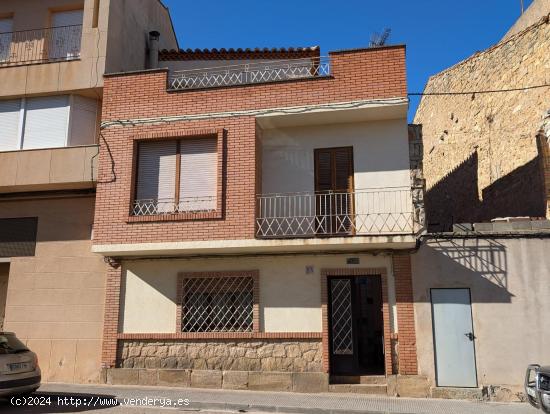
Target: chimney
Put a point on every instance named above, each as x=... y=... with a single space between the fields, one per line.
x=154 y=37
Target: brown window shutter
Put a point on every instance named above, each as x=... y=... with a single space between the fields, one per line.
x=343 y=169
x=156 y=176
x=334 y=169
x=323 y=170
x=198 y=181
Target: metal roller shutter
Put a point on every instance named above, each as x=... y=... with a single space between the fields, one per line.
x=10 y=112
x=198 y=174
x=46 y=122
x=156 y=179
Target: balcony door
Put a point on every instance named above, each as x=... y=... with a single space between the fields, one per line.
x=334 y=191
x=66 y=35
x=6 y=33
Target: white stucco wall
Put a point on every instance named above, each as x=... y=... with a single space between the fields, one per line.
x=510 y=290
x=290 y=299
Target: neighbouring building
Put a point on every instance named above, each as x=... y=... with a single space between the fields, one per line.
x=53 y=54
x=258 y=214
x=483 y=151
x=481 y=296
x=481 y=276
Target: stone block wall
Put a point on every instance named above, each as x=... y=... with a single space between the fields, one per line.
x=241 y=355
x=481 y=159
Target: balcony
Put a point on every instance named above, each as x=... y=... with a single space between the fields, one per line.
x=368 y=212
x=250 y=73
x=192 y=205
x=48 y=169
x=55 y=44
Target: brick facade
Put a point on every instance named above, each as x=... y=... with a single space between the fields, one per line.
x=367 y=74
x=111 y=318
x=408 y=364
x=356 y=75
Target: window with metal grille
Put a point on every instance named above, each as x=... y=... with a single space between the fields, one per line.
x=219 y=303
x=176 y=176
x=18 y=237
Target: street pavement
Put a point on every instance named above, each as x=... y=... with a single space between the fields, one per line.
x=68 y=398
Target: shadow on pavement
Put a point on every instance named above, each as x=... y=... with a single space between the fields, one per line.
x=53 y=403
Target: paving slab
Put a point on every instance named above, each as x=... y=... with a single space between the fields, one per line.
x=284 y=402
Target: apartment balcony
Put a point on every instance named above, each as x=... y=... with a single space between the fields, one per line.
x=47 y=45
x=368 y=212
x=48 y=169
x=250 y=73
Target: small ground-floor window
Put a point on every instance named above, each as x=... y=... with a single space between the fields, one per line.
x=218 y=302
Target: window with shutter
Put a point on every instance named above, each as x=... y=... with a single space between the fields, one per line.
x=198 y=174
x=176 y=176
x=66 y=34
x=10 y=113
x=37 y=123
x=84 y=122
x=156 y=178
x=6 y=35
x=46 y=122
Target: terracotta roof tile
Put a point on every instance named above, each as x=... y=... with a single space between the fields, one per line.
x=238 y=54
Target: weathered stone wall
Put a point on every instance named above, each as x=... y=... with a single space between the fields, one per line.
x=534 y=12
x=416 y=153
x=254 y=355
x=486 y=142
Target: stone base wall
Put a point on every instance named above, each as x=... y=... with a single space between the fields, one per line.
x=229 y=355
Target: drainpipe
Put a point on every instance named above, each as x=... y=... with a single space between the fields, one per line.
x=154 y=37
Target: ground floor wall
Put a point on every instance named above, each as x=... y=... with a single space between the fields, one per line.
x=289 y=326
x=55 y=299
x=509 y=286
x=229 y=355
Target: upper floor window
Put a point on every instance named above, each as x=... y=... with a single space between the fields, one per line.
x=66 y=34
x=176 y=176
x=6 y=34
x=59 y=42
x=48 y=122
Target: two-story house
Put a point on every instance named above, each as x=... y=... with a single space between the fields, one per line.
x=53 y=54
x=256 y=211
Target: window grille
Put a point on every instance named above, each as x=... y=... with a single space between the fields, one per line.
x=217 y=304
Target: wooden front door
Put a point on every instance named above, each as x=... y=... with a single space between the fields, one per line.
x=334 y=190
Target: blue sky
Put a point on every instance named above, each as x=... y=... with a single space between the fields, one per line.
x=438 y=33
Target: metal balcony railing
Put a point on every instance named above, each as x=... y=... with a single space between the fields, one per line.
x=52 y=44
x=152 y=207
x=386 y=211
x=250 y=73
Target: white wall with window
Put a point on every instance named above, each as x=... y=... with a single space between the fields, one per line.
x=48 y=122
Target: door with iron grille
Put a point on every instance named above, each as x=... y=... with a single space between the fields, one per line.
x=356 y=342
x=334 y=191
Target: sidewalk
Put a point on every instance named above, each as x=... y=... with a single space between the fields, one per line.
x=287 y=402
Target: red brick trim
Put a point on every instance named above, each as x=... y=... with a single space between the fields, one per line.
x=254 y=274
x=220 y=335
x=111 y=318
x=408 y=364
x=176 y=133
x=383 y=273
